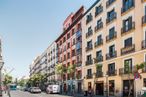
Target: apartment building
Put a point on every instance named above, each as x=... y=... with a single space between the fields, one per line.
x=114 y=34
x=69 y=51
x=51 y=63
x=35 y=67
x=43 y=63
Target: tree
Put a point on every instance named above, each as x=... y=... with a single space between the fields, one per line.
x=71 y=70
x=22 y=82
x=7 y=80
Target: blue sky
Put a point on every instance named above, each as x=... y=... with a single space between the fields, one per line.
x=27 y=27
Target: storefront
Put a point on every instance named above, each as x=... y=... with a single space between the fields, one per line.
x=128 y=86
x=99 y=88
x=111 y=88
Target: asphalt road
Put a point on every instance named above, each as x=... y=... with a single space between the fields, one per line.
x=27 y=94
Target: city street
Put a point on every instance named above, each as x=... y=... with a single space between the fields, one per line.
x=27 y=94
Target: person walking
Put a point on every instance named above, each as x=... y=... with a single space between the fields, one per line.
x=8 y=89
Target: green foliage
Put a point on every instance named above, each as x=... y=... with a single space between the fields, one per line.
x=22 y=82
x=98 y=66
x=71 y=69
x=7 y=80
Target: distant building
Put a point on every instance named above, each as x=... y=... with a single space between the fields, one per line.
x=69 y=51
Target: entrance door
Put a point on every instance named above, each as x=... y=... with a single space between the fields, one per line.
x=128 y=86
x=79 y=87
x=99 y=89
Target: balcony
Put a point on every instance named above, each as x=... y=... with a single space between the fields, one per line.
x=111 y=55
x=128 y=49
x=98 y=27
x=128 y=29
x=98 y=43
x=89 y=33
x=111 y=18
x=99 y=74
x=112 y=73
x=98 y=11
x=89 y=62
x=111 y=37
x=89 y=76
x=123 y=71
x=143 y=44
x=98 y=59
x=125 y=8
x=144 y=20
x=109 y=2
x=88 y=48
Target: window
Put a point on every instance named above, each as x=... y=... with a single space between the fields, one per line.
x=98 y=9
x=90 y=29
x=73 y=31
x=68 y=45
x=68 y=55
x=89 y=43
x=89 y=58
x=60 y=42
x=98 y=54
x=128 y=42
x=111 y=15
x=111 y=68
x=68 y=35
x=99 y=38
x=112 y=49
x=128 y=4
x=74 y=41
x=89 y=72
x=64 y=39
x=89 y=18
x=111 y=32
x=64 y=57
x=128 y=65
x=99 y=22
x=127 y=24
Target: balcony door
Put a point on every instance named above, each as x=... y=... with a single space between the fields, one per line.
x=128 y=66
x=111 y=68
x=89 y=44
x=111 y=32
x=89 y=72
x=128 y=42
x=112 y=50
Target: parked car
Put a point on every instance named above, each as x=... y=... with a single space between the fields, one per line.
x=53 y=89
x=35 y=90
x=29 y=89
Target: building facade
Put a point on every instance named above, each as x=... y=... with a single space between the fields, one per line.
x=114 y=35
x=69 y=51
x=51 y=63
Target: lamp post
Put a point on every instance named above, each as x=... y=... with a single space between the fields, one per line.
x=1 y=66
x=106 y=85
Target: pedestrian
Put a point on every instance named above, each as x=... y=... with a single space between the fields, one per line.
x=90 y=92
x=8 y=89
x=117 y=94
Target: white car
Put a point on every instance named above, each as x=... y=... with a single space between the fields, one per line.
x=53 y=89
x=35 y=90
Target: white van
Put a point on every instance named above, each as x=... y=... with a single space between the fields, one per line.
x=53 y=89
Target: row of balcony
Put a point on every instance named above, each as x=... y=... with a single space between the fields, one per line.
x=122 y=71
x=125 y=50
x=124 y=30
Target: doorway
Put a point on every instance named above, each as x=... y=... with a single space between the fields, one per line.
x=128 y=85
x=100 y=88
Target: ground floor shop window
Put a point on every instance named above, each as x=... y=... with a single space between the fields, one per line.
x=111 y=87
x=144 y=82
x=89 y=85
